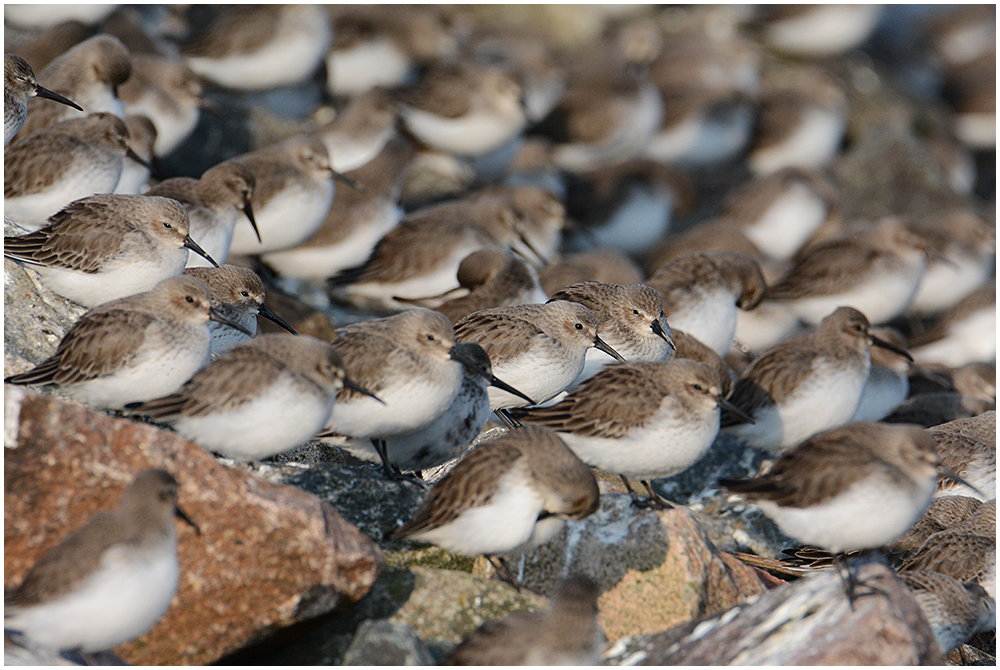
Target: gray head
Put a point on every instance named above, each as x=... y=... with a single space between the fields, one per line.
x=565 y=483
x=848 y=325
x=574 y=326
x=19 y=81
x=152 y=496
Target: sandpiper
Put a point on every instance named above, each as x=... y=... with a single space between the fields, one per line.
x=493 y=499
x=87 y=74
x=213 y=204
x=955 y=611
x=19 y=85
x=888 y=382
x=107 y=246
x=168 y=93
x=807 y=384
x=108 y=582
x=629 y=318
x=965 y=333
x=257 y=47
x=238 y=295
x=943 y=513
x=693 y=349
x=566 y=634
x=133 y=349
x=360 y=132
x=136 y=173
x=604 y=265
x=258 y=399
x=66 y=161
x=355 y=221
x=701 y=293
x=539 y=349
x=969 y=447
x=291 y=196
x=817 y=31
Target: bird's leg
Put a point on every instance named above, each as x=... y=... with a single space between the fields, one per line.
x=652 y=500
x=504 y=573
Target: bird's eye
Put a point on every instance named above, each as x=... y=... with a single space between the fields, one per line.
x=167 y=225
x=636 y=312
x=697 y=387
x=578 y=326
x=857 y=327
x=430 y=338
x=244 y=294
x=189 y=299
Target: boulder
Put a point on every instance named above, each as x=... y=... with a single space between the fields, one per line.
x=267 y=556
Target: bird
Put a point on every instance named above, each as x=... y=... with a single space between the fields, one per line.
x=132 y=349
x=64 y=162
x=968 y=447
x=964 y=333
x=446 y=436
x=539 y=349
x=19 y=85
x=877 y=271
x=888 y=382
x=567 y=633
x=293 y=190
x=818 y=31
x=955 y=611
x=496 y=497
x=638 y=420
x=603 y=265
x=238 y=295
x=107 y=246
x=167 y=92
x=806 y=384
x=108 y=582
x=629 y=318
x=702 y=291
x=87 y=74
x=136 y=174
x=213 y=203
x=258 y=399
x=360 y=131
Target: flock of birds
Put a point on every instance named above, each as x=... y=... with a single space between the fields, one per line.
x=533 y=277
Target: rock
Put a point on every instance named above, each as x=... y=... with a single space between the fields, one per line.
x=809 y=622
x=655 y=569
x=387 y=643
x=268 y=555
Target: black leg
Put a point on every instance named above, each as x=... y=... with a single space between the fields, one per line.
x=504 y=573
x=508 y=420
x=652 y=500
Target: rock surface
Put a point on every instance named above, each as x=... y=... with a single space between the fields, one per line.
x=809 y=622
x=268 y=555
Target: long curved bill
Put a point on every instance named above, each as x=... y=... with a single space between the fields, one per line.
x=182 y=515
x=193 y=246
x=265 y=312
x=354 y=386
x=350 y=181
x=248 y=210
x=217 y=316
x=948 y=473
x=665 y=334
x=892 y=347
x=504 y=386
x=138 y=159
x=730 y=407
x=606 y=348
x=52 y=95
x=458 y=355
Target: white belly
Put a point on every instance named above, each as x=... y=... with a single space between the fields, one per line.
x=378 y=62
x=95 y=172
x=708 y=317
x=478 y=132
x=539 y=375
x=880 y=297
x=883 y=390
x=812 y=145
x=286 y=220
x=788 y=222
x=969 y=341
x=943 y=285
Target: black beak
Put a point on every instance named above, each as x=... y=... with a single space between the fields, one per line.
x=603 y=346
x=350 y=181
x=504 y=386
x=265 y=312
x=248 y=210
x=137 y=158
x=658 y=330
x=52 y=95
x=947 y=473
x=180 y=514
x=891 y=347
x=350 y=384
x=217 y=316
x=459 y=356
x=730 y=407
x=193 y=246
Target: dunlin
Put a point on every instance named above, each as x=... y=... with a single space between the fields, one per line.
x=410 y=362
x=291 y=196
x=629 y=318
x=965 y=551
x=355 y=221
x=490 y=278
x=66 y=161
x=888 y=382
x=447 y=436
x=932 y=409
x=107 y=246
x=258 y=399
x=168 y=93
x=693 y=349
x=604 y=265
x=421 y=255
x=136 y=173
x=877 y=271
x=108 y=582
x=566 y=634
x=701 y=293
x=238 y=295
x=87 y=74
x=46 y=45
x=213 y=204
x=638 y=420
x=965 y=333
x=492 y=501
x=133 y=349
x=539 y=349
x=360 y=132
x=955 y=611
x=466 y=109
x=826 y=491
x=943 y=513
x=19 y=85
x=969 y=447
x=801 y=125
x=542 y=218
x=817 y=31
x=257 y=47
x=807 y=384
x=701 y=126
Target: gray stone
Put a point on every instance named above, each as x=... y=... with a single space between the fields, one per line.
x=387 y=643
